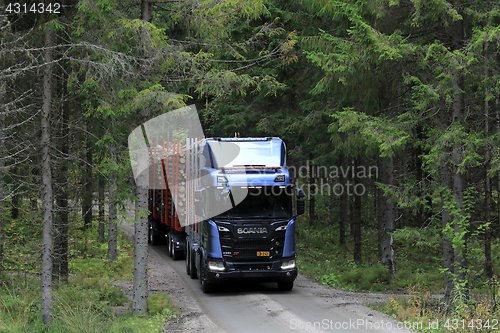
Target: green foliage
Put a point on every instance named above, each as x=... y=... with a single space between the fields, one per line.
x=85 y=303
x=420 y=307
x=77 y=309
x=374 y=278
x=384 y=135
x=160 y=303
x=22 y=242
x=427 y=240
x=418 y=259
x=457 y=231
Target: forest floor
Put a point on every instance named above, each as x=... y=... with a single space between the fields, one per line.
x=162 y=278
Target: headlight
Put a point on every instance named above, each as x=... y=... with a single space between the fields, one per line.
x=221 y=179
x=288 y=264
x=280 y=178
x=282 y=228
x=224 y=232
x=216 y=265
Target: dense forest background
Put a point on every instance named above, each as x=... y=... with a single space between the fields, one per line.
x=390 y=110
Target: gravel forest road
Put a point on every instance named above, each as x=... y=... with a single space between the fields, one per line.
x=241 y=307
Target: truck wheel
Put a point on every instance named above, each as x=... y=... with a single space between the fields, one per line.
x=188 y=259
x=285 y=286
x=176 y=254
x=169 y=241
x=154 y=234
x=206 y=287
x=192 y=263
x=149 y=231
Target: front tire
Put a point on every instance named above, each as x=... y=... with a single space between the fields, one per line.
x=206 y=286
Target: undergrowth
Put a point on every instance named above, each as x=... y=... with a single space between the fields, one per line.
x=85 y=303
x=417 y=286
x=423 y=313
x=321 y=257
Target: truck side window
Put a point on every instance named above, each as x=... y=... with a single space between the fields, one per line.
x=206 y=155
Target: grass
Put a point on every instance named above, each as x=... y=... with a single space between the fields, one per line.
x=86 y=303
x=418 y=276
x=322 y=258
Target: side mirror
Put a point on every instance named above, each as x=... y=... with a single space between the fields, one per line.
x=198 y=203
x=301 y=203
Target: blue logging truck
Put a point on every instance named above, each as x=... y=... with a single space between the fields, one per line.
x=227 y=206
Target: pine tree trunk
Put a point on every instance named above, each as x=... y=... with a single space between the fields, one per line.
x=47 y=204
x=488 y=268
x=60 y=265
x=14 y=210
x=102 y=183
x=458 y=194
x=497 y=102
x=112 y=227
x=146 y=10
x=331 y=200
x=419 y=217
x=448 y=254
x=352 y=215
x=386 y=218
x=64 y=197
x=459 y=183
x=343 y=209
x=2 y=173
x=458 y=179
x=140 y=301
x=87 y=184
x=311 y=196
x=356 y=227
x=357 y=230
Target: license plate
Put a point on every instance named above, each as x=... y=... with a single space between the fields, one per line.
x=262 y=253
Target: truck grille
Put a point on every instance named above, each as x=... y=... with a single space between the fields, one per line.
x=244 y=250
x=253 y=244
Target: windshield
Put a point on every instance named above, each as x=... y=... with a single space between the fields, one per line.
x=263 y=202
x=231 y=154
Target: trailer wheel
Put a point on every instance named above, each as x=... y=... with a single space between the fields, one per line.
x=285 y=286
x=153 y=238
x=149 y=231
x=154 y=233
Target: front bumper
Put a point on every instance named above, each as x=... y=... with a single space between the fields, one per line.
x=259 y=271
